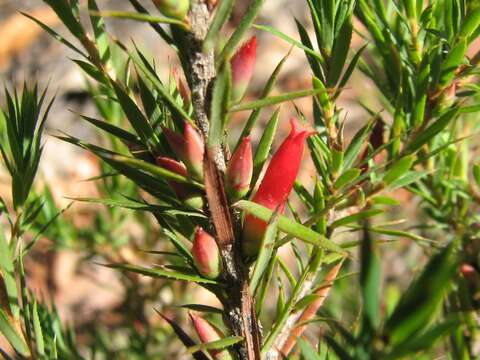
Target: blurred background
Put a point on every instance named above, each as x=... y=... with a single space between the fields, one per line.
x=64 y=266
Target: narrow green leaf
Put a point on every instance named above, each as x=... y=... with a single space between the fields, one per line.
x=356 y=217
x=426 y=339
x=161 y=273
x=247 y=19
x=160 y=31
x=370 y=273
x=116 y=131
x=264 y=146
x=217 y=344
x=171 y=103
x=7 y=272
x=221 y=16
x=346 y=178
x=470 y=24
x=454 y=58
x=307 y=349
x=135 y=16
x=305 y=301
x=409 y=178
x=353 y=64
x=219 y=107
x=273 y=100
x=418 y=304
x=289 y=226
x=398 y=169
x=202 y=308
x=339 y=54
x=66 y=13
x=38 y=330
x=252 y=119
x=266 y=252
x=56 y=35
x=154 y=170
x=136 y=118
x=289 y=40
x=101 y=36
x=425 y=136
x=8 y=329
x=476 y=173
x=262 y=289
x=353 y=149
x=384 y=200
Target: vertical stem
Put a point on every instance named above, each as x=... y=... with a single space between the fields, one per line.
x=239 y=306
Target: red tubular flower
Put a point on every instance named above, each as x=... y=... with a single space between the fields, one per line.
x=239 y=171
x=276 y=185
x=189 y=148
x=208 y=333
x=243 y=64
x=206 y=254
x=173 y=8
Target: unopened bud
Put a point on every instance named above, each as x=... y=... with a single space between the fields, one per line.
x=239 y=171
x=243 y=65
x=184 y=192
x=194 y=151
x=206 y=254
x=174 y=166
x=173 y=8
x=208 y=333
x=189 y=148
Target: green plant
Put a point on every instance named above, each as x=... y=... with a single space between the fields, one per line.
x=166 y=153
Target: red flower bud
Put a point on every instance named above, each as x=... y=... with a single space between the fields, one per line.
x=194 y=150
x=173 y=8
x=177 y=168
x=189 y=148
x=206 y=254
x=468 y=271
x=208 y=333
x=243 y=65
x=276 y=185
x=183 y=191
x=239 y=170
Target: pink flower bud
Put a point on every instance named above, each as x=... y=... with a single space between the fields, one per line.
x=194 y=150
x=468 y=271
x=174 y=166
x=206 y=254
x=276 y=185
x=184 y=192
x=239 y=170
x=243 y=65
x=173 y=8
x=208 y=333
x=189 y=148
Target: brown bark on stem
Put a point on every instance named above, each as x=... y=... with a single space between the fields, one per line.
x=238 y=305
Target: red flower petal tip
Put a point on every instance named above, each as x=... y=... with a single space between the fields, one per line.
x=243 y=65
